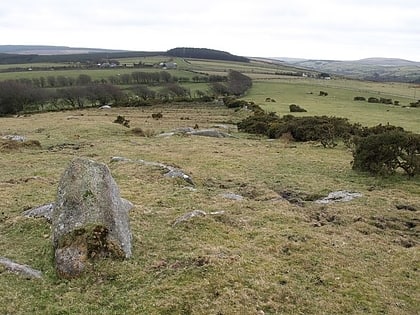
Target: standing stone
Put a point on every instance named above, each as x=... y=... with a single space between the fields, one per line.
x=90 y=219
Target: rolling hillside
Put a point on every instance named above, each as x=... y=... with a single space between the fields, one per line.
x=372 y=69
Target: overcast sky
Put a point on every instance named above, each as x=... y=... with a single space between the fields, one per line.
x=314 y=29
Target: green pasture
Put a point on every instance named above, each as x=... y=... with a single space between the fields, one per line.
x=267 y=83
x=25 y=66
x=246 y=67
x=339 y=102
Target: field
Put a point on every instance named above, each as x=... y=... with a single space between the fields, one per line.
x=275 y=251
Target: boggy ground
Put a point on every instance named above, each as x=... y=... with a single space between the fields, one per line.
x=259 y=255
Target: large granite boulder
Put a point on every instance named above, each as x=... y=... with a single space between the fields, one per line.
x=89 y=218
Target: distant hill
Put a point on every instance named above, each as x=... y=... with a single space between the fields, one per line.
x=50 y=50
x=14 y=54
x=374 y=69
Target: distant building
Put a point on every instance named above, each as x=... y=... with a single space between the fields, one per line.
x=168 y=65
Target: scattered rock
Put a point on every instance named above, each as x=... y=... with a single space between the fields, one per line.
x=196 y=132
x=226 y=127
x=209 y=133
x=339 y=196
x=14 y=138
x=24 y=270
x=221 y=212
x=406 y=207
x=166 y=134
x=120 y=159
x=192 y=189
x=177 y=173
x=171 y=172
x=188 y=216
x=44 y=211
x=182 y=130
x=232 y=196
x=89 y=218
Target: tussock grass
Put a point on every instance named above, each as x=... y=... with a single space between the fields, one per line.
x=261 y=254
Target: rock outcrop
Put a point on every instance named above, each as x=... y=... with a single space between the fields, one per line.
x=89 y=218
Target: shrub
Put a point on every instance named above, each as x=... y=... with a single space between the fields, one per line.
x=384 y=153
x=415 y=104
x=231 y=102
x=311 y=128
x=157 y=115
x=259 y=123
x=122 y=121
x=323 y=93
x=367 y=131
x=373 y=100
x=387 y=101
x=296 y=108
x=360 y=98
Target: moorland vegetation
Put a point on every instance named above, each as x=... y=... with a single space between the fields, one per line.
x=265 y=244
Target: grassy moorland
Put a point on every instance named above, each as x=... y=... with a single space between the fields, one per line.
x=259 y=255
x=262 y=254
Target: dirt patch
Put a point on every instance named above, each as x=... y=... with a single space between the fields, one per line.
x=297 y=197
x=10 y=145
x=68 y=146
x=324 y=216
x=406 y=229
x=406 y=207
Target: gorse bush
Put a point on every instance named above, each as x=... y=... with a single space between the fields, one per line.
x=311 y=128
x=379 y=150
x=386 y=152
x=231 y=102
x=122 y=121
x=296 y=109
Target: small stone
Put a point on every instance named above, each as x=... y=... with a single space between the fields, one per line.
x=339 y=196
x=188 y=216
x=16 y=138
x=44 y=211
x=24 y=270
x=232 y=196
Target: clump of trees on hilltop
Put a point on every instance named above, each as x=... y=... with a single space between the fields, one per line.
x=204 y=53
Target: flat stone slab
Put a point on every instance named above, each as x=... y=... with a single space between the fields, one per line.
x=23 y=270
x=339 y=196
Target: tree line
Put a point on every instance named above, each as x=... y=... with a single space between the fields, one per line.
x=23 y=94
